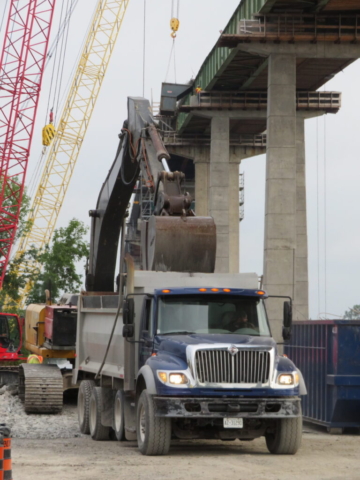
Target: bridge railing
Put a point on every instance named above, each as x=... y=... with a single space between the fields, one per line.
x=318 y=100
x=291 y=27
x=255 y=100
x=242 y=140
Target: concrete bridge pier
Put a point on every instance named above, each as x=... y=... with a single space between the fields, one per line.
x=280 y=206
x=224 y=196
x=217 y=184
x=217 y=192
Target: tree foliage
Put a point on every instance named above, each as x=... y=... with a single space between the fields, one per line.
x=13 y=282
x=59 y=261
x=353 y=313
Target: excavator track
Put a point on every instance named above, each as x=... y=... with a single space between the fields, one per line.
x=41 y=388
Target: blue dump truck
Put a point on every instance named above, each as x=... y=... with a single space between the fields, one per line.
x=180 y=352
x=185 y=356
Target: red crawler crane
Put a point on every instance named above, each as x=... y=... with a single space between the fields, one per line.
x=21 y=71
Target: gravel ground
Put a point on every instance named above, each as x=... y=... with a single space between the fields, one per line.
x=62 y=425
x=68 y=455
x=322 y=457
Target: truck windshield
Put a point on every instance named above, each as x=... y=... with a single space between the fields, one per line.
x=187 y=314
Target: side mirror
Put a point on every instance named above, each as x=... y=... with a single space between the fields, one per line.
x=287 y=322
x=128 y=331
x=128 y=311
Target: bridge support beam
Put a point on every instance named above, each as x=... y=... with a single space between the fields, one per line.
x=280 y=206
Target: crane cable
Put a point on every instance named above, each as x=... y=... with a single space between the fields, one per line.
x=174 y=22
x=60 y=65
x=63 y=30
x=325 y=219
x=174 y=25
x=3 y=16
x=317 y=216
x=144 y=48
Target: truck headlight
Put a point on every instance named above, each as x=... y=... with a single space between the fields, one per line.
x=178 y=378
x=286 y=379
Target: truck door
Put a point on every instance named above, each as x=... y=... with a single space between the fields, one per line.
x=146 y=332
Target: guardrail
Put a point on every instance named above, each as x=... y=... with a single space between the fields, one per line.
x=329 y=101
x=243 y=140
x=302 y=27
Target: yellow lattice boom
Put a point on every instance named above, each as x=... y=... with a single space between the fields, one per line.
x=71 y=130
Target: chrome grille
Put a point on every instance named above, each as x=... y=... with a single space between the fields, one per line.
x=219 y=366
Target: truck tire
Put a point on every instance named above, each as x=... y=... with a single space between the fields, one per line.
x=97 y=430
x=119 y=423
x=287 y=437
x=153 y=433
x=83 y=405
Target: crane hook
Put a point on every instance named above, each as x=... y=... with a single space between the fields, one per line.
x=174 y=25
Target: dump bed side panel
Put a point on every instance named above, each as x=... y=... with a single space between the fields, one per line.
x=96 y=315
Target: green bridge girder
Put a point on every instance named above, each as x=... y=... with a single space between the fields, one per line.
x=220 y=57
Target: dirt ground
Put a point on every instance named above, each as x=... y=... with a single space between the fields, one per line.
x=322 y=456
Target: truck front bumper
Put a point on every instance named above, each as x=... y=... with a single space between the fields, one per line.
x=206 y=407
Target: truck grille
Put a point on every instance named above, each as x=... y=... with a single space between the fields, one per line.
x=219 y=366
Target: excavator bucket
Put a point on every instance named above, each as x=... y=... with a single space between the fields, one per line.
x=179 y=244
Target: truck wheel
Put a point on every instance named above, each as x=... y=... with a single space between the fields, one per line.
x=287 y=437
x=97 y=430
x=153 y=433
x=119 y=426
x=83 y=405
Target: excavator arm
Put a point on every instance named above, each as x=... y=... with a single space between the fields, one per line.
x=141 y=148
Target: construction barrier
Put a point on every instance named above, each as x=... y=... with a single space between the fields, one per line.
x=5 y=433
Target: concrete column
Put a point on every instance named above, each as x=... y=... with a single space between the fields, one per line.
x=202 y=169
x=280 y=207
x=219 y=198
x=301 y=310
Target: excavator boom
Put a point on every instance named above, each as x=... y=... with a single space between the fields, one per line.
x=174 y=239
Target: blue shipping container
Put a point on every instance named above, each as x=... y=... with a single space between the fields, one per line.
x=328 y=355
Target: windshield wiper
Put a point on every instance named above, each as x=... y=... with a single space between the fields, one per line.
x=177 y=333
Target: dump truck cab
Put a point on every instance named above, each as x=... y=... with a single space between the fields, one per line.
x=211 y=337
x=208 y=353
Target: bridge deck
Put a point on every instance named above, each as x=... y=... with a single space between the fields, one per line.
x=227 y=68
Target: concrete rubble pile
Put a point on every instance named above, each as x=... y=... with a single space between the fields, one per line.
x=63 y=425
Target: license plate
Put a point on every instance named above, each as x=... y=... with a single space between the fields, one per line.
x=233 y=422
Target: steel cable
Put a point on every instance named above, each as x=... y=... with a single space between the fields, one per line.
x=318 y=213
x=325 y=215
x=144 y=48
x=3 y=16
x=63 y=62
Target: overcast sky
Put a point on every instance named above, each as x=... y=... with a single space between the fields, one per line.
x=201 y=22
